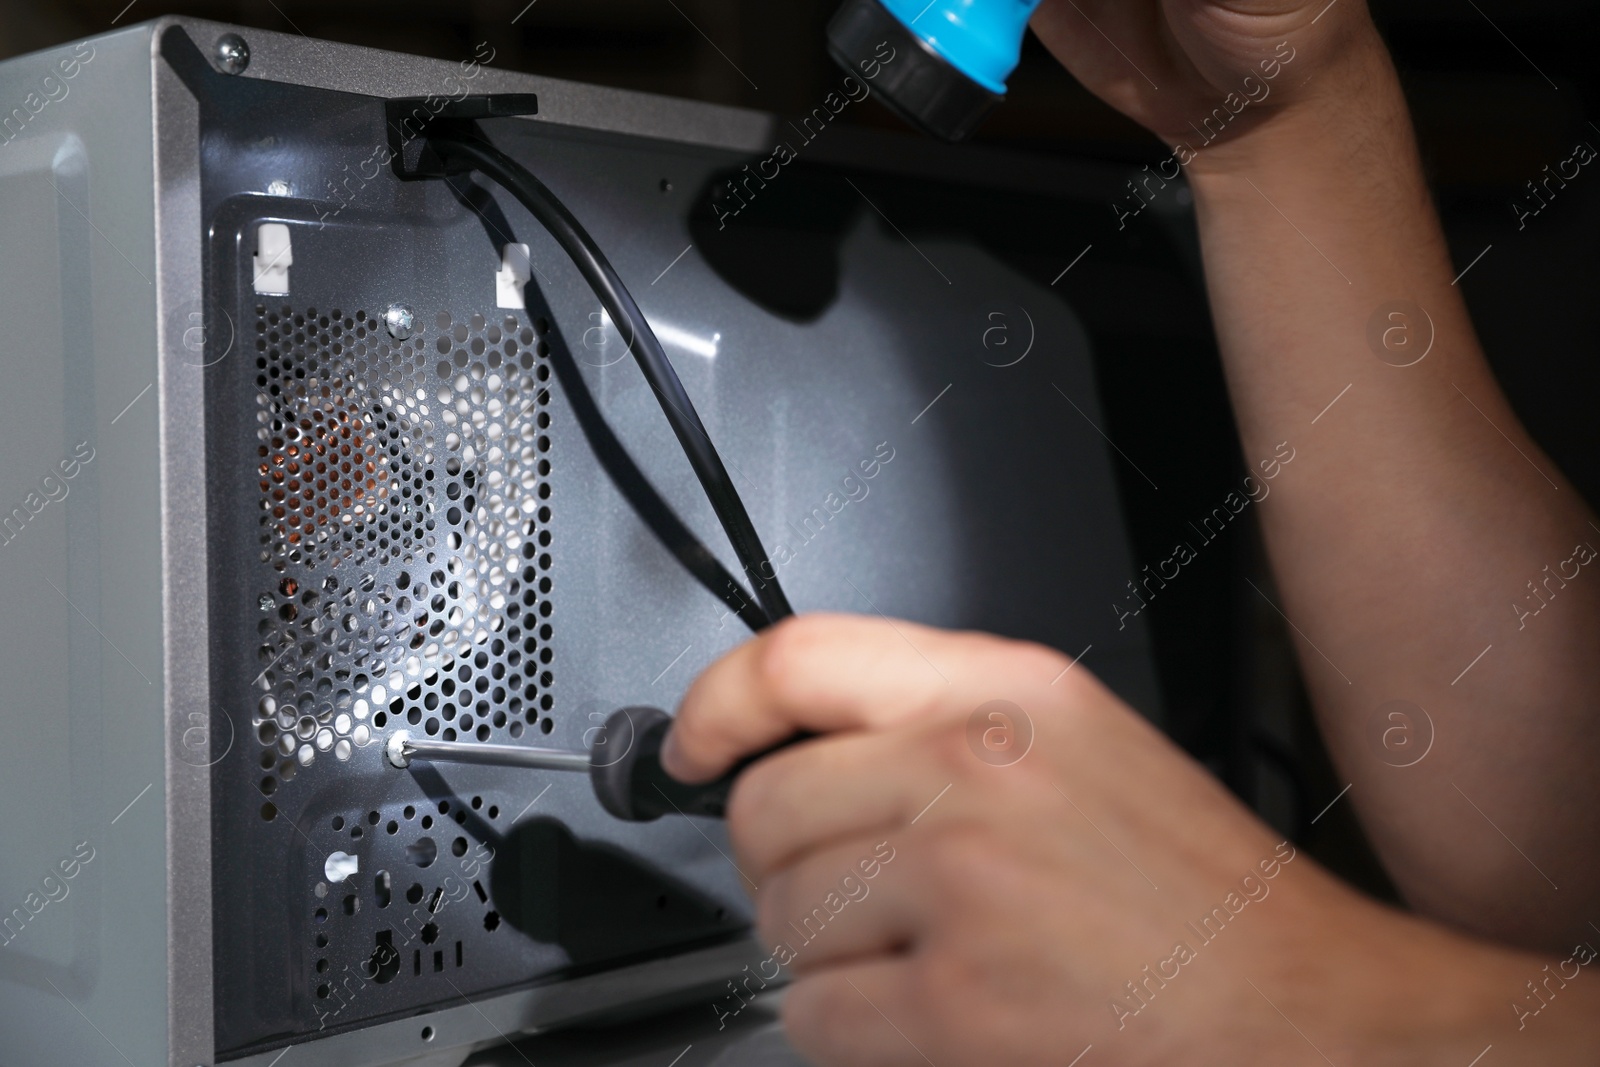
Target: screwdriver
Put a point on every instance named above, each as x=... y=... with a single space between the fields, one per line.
x=624 y=765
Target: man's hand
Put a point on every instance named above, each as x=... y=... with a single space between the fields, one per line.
x=1167 y=64
x=1077 y=882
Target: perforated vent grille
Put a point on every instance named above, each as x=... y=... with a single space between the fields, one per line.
x=403 y=532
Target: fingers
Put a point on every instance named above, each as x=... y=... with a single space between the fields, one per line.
x=824 y=673
x=857 y=1016
x=819 y=673
x=837 y=788
x=855 y=900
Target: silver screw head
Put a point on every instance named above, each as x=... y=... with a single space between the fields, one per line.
x=233 y=55
x=400 y=320
x=395 y=749
x=265 y=603
x=277 y=187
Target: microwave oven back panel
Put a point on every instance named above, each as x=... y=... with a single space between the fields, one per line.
x=313 y=529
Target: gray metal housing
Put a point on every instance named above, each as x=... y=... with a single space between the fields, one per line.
x=1000 y=510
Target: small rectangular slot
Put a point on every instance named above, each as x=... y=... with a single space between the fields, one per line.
x=458 y=953
x=416 y=962
x=438 y=895
x=438 y=960
x=482 y=896
x=385 y=961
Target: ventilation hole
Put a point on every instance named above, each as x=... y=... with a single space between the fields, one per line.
x=422 y=852
x=483 y=897
x=491 y=921
x=384 y=889
x=414 y=894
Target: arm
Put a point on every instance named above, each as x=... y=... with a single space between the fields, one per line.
x=1417 y=510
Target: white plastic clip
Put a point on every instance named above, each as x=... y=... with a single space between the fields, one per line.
x=513 y=274
x=274 y=257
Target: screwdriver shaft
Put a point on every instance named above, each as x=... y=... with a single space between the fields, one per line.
x=402 y=749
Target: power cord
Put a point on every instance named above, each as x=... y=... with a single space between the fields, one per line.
x=453 y=148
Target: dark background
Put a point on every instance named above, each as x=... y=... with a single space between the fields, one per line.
x=1499 y=89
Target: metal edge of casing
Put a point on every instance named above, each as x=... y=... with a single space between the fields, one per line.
x=181 y=396
x=298 y=60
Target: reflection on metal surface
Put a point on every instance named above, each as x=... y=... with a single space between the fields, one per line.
x=604 y=340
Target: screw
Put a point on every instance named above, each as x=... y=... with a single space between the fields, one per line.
x=233 y=55
x=400 y=321
x=278 y=187
x=265 y=603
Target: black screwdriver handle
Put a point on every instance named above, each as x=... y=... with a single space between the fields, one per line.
x=625 y=768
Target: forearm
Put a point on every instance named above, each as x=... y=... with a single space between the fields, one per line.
x=1415 y=513
x=1441 y=1000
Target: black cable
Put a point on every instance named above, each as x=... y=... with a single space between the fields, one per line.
x=648 y=503
x=647 y=352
